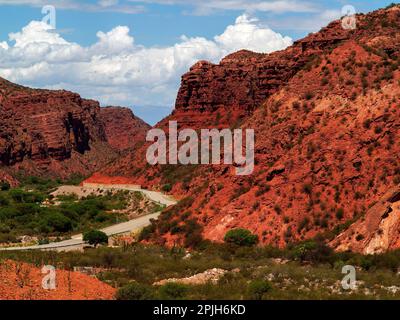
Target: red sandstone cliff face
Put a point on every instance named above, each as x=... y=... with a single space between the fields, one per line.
x=326 y=136
x=224 y=95
x=123 y=129
x=55 y=133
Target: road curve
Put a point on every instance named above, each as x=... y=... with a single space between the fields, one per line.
x=76 y=242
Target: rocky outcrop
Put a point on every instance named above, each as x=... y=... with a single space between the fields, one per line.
x=377 y=231
x=38 y=124
x=224 y=94
x=123 y=129
x=209 y=276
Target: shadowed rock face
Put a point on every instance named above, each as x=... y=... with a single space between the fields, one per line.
x=40 y=124
x=57 y=133
x=326 y=119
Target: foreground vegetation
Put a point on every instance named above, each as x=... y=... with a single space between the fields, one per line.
x=31 y=210
x=304 y=271
x=307 y=270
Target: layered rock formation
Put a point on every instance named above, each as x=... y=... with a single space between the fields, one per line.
x=56 y=133
x=224 y=94
x=325 y=113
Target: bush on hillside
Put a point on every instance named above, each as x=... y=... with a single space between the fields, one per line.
x=241 y=237
x=135 y=291
x=258 y=288
x=4 y=186
x=173 y=291
x=166 y=187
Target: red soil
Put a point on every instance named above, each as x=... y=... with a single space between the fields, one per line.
x=21 y=281
x=101 y=179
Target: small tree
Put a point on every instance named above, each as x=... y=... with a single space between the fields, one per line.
x=166 y=187
x=173 y=291
x=241 y=237
x=258 y=288
x=95 y=237
x=135 y=291
x=4 y=186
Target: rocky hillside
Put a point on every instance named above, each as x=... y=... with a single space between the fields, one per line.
x=57 y=133
x=122 y=128
x=22 y=281
x=326 y=117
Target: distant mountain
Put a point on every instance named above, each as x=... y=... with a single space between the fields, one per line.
x=326 y=117
x=123 y=129
x=57 y=133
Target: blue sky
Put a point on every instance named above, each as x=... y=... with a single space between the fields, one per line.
x=148 y=48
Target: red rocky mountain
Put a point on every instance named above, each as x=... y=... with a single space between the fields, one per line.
x=122 y=128
x=326 y=117
x=57 y=133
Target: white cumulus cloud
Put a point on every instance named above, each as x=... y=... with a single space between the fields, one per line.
x=116 y=70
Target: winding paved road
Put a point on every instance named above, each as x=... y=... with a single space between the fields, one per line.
x=76 y=242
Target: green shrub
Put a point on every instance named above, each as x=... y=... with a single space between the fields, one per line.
x=278 y=209
x=173 y=291
x=308 y=95
x=367 y=123
x=58 y=222
x=241 y=237
x=193 y=233
x=4 y=186
x=296 y=105
x=20 y=196
x=312 y=251
x=135 y=291
x=303 y=224
x=307 y=188
x=166 y=187
x=146 y=232
x=4 y=201
x=378 y=130
x=258 y=288
x=95 y=237
x=339 y=213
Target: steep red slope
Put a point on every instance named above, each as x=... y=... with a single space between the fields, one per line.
x=122 y=128
x=326 y=128
x=21 y=281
